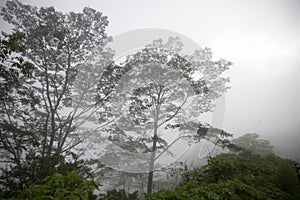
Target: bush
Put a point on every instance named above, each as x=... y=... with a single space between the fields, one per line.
x=234 y=177
x=119 y=195
x=60 y=187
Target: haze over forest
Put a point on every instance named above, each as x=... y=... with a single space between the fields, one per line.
x=261 y=38
x=121 y=92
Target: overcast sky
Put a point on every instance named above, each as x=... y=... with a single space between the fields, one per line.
x=261 y=38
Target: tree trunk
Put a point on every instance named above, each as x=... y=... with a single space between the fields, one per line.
x=153 y=152
x=151 y=167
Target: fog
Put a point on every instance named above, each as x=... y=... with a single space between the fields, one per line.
x=261 y=38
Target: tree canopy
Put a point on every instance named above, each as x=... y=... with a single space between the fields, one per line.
x=44 y=89
x=62 y=92
x=161 y=88
x=251 y=142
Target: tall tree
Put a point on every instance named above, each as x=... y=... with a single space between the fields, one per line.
x=17 y=103
x=251 y=142
x=161 y=88
x=69 y=53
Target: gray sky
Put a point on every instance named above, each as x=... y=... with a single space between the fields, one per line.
x=261 y=38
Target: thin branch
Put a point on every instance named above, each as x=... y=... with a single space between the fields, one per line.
x=175 y=113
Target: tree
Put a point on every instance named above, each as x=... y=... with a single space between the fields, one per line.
x=17 y=101
x=160 y=90
x=68 y=53
x=252 y=143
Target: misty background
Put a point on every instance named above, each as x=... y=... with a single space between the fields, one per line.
x=261 y=38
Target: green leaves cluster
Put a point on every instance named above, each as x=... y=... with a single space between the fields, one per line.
x=58 y=186
x=14 y=72
x=119 y=195
x=231 y=176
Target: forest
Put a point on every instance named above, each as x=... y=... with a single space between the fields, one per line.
x=75 y=123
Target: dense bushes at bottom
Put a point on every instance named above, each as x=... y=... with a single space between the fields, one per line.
x=61 y=187
x=237 y=177
x=225 y=177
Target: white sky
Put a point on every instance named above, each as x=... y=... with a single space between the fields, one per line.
x=261 y=38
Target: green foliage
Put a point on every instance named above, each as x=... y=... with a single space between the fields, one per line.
x=234 y=177
x=17 y=102
x=286 y=178
x=18 y=178
x=119 y=195
x=13 y=43
x=162 y=195
x=14 y=83
x=58 y=186
x=37 y=116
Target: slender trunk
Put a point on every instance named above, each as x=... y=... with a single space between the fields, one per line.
x=52 y=135
x=151 y=167
x=153 y=151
